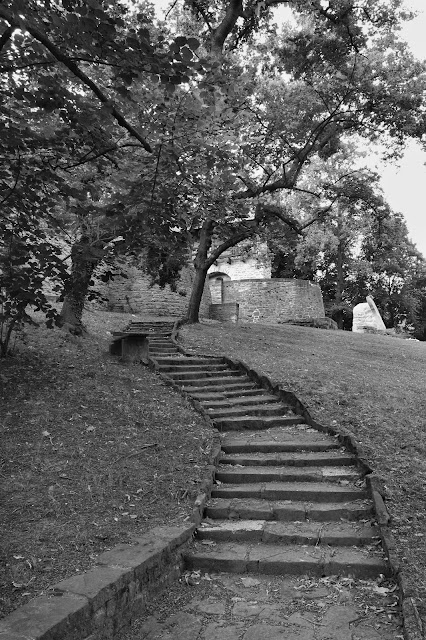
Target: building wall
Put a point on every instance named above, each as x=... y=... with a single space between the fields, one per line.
x=135 y=294
x=227 y=312
x=275 y=300
x=239 y=269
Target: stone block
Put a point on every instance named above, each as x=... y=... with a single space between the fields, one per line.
x=65 y=617
x=98 y=585
x=367 y=316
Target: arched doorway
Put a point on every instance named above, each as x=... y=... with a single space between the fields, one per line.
x=216 y=283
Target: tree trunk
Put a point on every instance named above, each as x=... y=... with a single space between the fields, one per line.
x=201 y=265
x=83 y=266
x=193 y=311
x=340 y=280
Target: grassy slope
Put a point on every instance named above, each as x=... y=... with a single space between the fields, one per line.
x=72 y=418
x=373 y=385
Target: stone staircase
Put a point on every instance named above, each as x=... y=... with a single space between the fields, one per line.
x=287 y=499
x=159 y=336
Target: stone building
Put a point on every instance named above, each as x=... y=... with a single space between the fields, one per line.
x=135 y=294
x=239 y=286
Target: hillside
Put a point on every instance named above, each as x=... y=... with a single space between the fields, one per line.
x=372 y=385
x=93 y=452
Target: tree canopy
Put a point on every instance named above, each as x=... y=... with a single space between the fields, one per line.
x=195 y=126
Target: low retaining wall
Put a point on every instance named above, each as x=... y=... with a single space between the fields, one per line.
x=275 y=300
x=135 y=294
x=97 y=604
x=227 y=312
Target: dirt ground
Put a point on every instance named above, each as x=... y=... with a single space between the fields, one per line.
x=93 y=452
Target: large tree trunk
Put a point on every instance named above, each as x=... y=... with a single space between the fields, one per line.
x=83 y=265
x=193 y=311
x=340 y=279
x=201 y=265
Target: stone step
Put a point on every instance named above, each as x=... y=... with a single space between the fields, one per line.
x=170 y=350
x=316 y=533
x=233 y=475
x=154 y=328
x=160 y=343
x=221 y=386
x=267 y=409
x=217 y=382
x=192 y=368
x=232 y=394
x=288 y=510
x=300 y=491
x=254 y=422
x=185 y=360
x=234 y=402
x=204 y=374
x=305 y=459
x=287 y=560
x=276 y=446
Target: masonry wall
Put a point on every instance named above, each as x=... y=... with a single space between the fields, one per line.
x=238 y=269
x=134 y=294
x=227 y=312
x=275 y=300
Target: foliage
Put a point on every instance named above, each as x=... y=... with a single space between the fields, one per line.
x=72 y=73
x=203 y=130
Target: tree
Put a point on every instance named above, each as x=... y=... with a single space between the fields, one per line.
x=261 y=120
x=71 y=74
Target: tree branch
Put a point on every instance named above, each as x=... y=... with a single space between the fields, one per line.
x=219 y=35
x=6 y=35
x=231 y=242
x=76 y=71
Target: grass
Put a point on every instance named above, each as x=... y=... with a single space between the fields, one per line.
x=373 y=385
x=93 y=452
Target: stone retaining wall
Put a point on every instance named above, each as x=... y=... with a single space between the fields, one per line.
x=98 y=604
x=275 y=300
x=227 y=312
x=135 y=295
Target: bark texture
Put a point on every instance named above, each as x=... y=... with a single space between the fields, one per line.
x=83 y=265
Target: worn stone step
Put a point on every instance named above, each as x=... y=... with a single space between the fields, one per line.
x=221 y=386
x=305 y=459
x=160 y=343
x=164 y=351
x=153 y=352
x=170 y=351
x=267 y=410
x=233 y=475
x=336 y=533
x=217 y=382
x=276 y=446
x=237 y=401
x=288 y=510
x=204 y=374
x=185 y=360
x=154 y=323
x=255 y=422
x=192 y=368
x=164 y=330
x=301 y=491
x=234 y=557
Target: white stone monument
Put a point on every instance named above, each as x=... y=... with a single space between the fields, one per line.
x=367 y=316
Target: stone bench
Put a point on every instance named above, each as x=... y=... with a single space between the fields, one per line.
x=132 y=346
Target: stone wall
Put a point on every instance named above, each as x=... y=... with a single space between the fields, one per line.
x=275 y=300
x=227 y=312
x=134 y=294
x=241 y=269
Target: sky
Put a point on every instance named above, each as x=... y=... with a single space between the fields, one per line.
x=404 y=185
